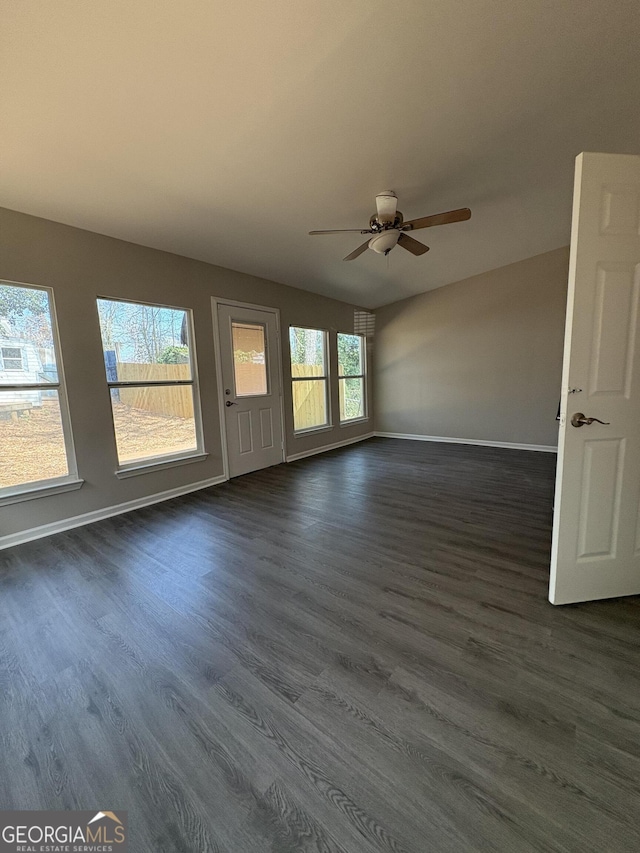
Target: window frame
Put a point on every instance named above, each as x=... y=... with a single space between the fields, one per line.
x=362 y=376
x=70 y=480
x=326 y=378
x=166 y=460
x=267 y=372
x=4 y=358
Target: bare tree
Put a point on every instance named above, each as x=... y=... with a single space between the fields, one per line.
x=142 y=331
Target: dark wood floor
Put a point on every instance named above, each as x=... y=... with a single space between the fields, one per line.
x=350 y=653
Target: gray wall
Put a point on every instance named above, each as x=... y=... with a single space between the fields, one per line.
x=80 y=266
x=479 y=359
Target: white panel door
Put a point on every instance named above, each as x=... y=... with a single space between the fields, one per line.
x=596 y=529
x=251 y=388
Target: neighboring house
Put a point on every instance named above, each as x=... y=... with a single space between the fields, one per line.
x=20 y=364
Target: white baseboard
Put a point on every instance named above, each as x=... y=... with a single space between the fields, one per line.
x=99 y=514
x=327 y=447
x=510 y=445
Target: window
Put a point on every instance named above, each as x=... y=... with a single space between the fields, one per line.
x=11 y=358
x=35 y=434
x=249 y=359
x=309 y=378
x=351 y=373
x=148 y=356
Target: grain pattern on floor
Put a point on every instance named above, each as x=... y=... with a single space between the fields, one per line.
x=350 y=653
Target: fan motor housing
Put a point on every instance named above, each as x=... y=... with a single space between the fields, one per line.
x=375 y=223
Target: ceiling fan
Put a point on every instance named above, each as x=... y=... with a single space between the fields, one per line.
x=389 y=228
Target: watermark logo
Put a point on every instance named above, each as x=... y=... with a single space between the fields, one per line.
x=63 y=832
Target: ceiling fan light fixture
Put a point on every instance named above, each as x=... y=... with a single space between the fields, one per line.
x=384 y=242
x=388 y=227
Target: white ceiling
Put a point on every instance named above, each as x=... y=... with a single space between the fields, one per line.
x=226 y=130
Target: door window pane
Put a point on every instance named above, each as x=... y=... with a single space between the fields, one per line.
x=31 y=437
x=249 y=359
x=153 y=421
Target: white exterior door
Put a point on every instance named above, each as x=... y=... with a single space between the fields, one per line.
x=252 y=388
x=596 y=531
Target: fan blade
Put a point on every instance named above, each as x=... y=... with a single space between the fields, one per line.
x=357 y=252
x=411 y=245
x=438 y=219
x=345 y=231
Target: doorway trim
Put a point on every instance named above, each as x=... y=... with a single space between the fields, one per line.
x=234 y=303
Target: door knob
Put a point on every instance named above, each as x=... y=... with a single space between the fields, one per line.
x=580 y=419
x=230 y=403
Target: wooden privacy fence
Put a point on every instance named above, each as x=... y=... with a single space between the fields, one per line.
x=169 y=400
x=309 y=403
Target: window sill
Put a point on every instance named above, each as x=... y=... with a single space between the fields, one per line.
x=312 y=430
x=159 y=465
x=353 y=422
x=29 y=493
